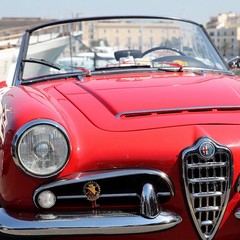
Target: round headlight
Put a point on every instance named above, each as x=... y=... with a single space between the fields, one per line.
x=41 y=148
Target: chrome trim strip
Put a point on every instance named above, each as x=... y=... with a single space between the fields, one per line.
x=101 y=223
x=164 y=194
x=176 y=110
x=101 y=196
x=115 y=195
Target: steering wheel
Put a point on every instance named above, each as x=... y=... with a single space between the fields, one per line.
x=182 y=58
x=163 y=48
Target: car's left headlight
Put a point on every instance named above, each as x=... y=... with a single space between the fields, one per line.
x=41 y=148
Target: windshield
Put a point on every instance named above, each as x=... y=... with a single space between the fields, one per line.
x=96 y=44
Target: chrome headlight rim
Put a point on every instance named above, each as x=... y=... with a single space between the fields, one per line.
x=20 y=133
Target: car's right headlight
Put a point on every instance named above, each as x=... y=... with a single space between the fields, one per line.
x=41 y=148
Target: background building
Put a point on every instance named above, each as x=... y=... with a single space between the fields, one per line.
x=224 y=31
x=148 y=34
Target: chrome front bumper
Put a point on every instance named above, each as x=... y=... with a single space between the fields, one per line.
x=99 y=223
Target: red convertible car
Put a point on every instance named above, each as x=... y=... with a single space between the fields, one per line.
x=122 y=127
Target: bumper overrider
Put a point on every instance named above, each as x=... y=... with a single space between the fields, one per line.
x=148 y=218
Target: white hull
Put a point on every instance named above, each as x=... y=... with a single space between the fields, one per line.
x=8 y=57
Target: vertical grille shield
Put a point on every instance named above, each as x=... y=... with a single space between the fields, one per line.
x=207 y=176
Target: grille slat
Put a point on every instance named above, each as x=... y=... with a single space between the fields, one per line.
x=206 y=223
x=206 y=209
x=205 y=165
x=207 y=175
x=206 y=180
x=206 y=194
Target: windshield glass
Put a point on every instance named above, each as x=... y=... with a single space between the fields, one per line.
x=78 y=46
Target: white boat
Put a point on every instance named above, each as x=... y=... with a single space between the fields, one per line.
x=40 y=48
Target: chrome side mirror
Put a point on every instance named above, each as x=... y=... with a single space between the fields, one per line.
x=234 y=62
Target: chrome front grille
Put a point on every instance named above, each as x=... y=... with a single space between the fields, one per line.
x=207 y=175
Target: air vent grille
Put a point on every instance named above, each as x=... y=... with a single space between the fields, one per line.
x=118 y=189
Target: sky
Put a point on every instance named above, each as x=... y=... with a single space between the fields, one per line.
x=195 y=10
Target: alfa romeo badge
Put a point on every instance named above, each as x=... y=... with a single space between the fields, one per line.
x=207 y=149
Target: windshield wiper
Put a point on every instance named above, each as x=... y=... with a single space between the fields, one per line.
x=121 y=67
x=170 y=67
x=43 y=62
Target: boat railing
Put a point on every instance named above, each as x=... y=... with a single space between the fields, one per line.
x=11 y=37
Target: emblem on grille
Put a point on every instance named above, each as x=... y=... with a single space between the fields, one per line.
x=91 y=190
x=207 y=149
x=207 y=175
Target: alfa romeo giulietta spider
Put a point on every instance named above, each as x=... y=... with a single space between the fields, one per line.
x=124 y=127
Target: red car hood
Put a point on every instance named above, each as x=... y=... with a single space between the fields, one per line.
x=131 y=101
